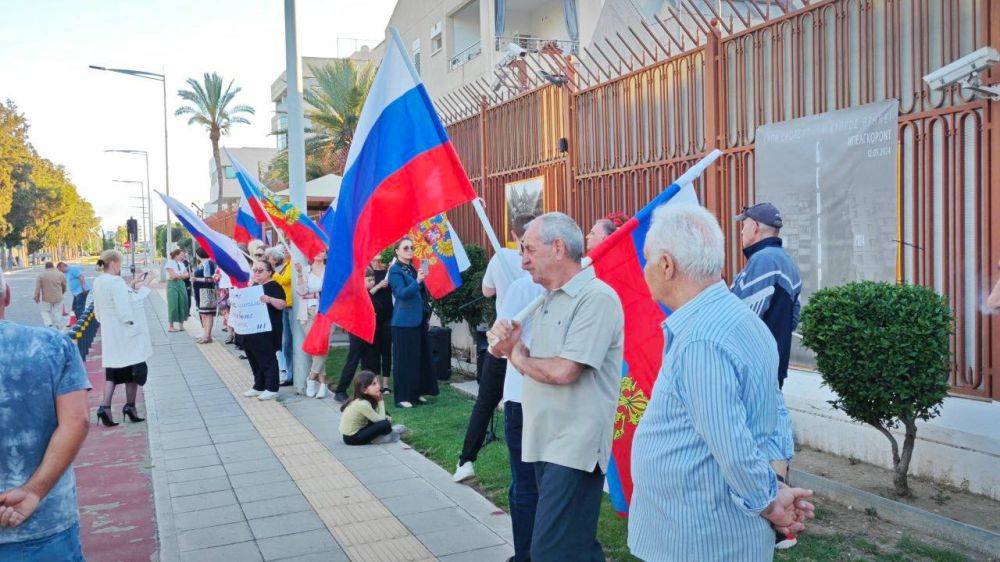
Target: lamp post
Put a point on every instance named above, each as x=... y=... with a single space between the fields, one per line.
x=151 y=229
x=166 y=151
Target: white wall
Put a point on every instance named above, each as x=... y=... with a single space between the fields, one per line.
x=961 y=447
x=465 y=28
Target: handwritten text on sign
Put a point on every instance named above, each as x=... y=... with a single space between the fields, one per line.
x=247 y=315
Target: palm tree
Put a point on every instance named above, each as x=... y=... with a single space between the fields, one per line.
x=335 y=104
x=210 y=107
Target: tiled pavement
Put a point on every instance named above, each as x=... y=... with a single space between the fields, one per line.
x=238 y=479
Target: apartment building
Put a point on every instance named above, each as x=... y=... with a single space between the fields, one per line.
x=279 y=89
x=254 y=158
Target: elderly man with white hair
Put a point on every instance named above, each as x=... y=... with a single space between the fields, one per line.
x=572 y=371
x=703 y=487
x=281 y=261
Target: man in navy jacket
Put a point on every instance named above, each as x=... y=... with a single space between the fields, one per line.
x=770 y=285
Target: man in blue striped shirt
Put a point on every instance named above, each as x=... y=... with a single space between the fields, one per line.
x=703 y=487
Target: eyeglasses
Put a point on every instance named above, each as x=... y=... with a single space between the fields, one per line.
x=406 y=248
x=259 y=270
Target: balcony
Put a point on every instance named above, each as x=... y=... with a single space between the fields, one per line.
x=536 y=44
x=465 y=55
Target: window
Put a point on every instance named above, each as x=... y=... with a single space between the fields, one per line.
x=437 y=38
x=416 y=54
x=228 y=172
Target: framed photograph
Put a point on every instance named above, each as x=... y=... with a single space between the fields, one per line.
x=521 y=198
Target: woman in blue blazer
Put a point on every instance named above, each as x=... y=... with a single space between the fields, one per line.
x=412 y=374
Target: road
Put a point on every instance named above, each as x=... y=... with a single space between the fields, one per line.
x=23 y=308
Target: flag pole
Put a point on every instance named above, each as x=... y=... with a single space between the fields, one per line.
x=491 y=234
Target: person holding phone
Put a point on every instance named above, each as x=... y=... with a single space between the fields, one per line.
x=412 y=376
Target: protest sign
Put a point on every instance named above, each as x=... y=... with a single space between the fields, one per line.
x=247 y=315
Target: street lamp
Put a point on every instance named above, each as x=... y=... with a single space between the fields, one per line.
x=166 y=154
x=150 y=228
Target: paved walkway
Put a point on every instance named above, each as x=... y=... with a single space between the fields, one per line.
x=240 y=479
x=114 y=489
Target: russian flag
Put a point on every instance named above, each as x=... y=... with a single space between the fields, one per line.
x=247 y=228
x=267 y=206
x=437 y=243
x=619 y=262
x=221 y=248
x=401 y=169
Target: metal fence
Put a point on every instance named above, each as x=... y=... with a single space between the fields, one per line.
x=633 y=113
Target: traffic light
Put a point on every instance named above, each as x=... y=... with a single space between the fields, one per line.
x=132 y=226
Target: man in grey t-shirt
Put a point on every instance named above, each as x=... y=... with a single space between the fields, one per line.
x=572 y=371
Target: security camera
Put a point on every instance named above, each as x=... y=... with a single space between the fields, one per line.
x=966 y=73
x=515 y=50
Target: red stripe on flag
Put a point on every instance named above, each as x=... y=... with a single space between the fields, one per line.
x=432 y=183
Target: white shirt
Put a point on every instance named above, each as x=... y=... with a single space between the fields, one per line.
x=520 y=293
x=497 y=276
x=177 y=266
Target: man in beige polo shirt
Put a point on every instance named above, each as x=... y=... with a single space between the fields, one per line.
x=50 y=286
x=572 y=371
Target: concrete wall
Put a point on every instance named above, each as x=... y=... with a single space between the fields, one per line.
x=961 y=447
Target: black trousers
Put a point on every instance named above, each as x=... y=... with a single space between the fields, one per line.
x=260 y=353
x=366 y=434
x=358 y=351
x=412 y=373
x=569 y=503
x=381 y=349
x=490 y=394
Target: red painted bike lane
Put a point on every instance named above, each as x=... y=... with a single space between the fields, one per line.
x=114 y=487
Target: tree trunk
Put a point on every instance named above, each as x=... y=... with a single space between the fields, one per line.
x=214 y=137
x=902 y=467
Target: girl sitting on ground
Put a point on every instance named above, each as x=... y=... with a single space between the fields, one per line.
x=363 y=419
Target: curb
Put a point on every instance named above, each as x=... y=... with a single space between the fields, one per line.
x=973 y=537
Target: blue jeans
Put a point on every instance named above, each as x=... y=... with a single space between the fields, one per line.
x=523 y=492
x=286 y=341
x=63 y=546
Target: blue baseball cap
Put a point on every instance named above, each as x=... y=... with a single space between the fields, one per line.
x=764 y=213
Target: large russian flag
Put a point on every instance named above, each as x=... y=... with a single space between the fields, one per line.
x=401 y=169
x=619 y=262
x=247 y=228
x=267 y=206
x=221 y=248
x=437 y=243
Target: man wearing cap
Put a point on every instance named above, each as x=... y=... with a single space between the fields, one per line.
x=770 y=285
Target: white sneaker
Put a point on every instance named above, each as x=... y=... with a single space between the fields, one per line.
x=267 y=395
x=464 y=472
x=310 y=388
x=321 y=393
x=405 y=405
x=399 y=428
x=251 y=393
x=422 y=400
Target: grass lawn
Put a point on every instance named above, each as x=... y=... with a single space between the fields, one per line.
x=437 y=431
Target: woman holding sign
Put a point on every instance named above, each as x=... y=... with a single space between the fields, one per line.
x=412 y=376
x=261 y=348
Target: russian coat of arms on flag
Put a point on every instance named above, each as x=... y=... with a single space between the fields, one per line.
x=435 y=242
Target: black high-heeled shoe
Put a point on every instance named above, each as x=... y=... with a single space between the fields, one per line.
x=104 y=417
x=129 y=412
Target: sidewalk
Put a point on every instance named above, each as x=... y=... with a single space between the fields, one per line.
x=239 y=479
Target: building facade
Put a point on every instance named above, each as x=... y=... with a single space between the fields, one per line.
x=255 y=159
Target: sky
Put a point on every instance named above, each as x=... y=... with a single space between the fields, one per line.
x=76 y=113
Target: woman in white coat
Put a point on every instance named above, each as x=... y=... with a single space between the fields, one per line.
x=125 y=343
